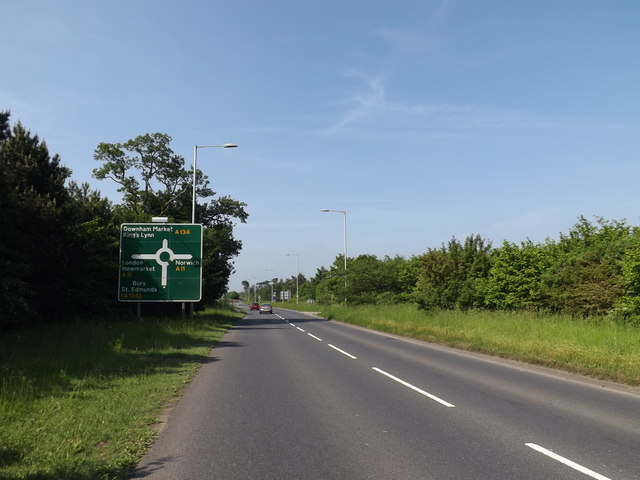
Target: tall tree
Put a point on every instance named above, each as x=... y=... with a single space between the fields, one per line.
x=151 y=177
x=451 y=276
x=587 y=276
x=93 y=267
x=34 y=213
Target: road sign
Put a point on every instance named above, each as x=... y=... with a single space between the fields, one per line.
x=285 y=295
x=160 y=262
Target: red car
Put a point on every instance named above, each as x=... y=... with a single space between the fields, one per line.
x=254 y=306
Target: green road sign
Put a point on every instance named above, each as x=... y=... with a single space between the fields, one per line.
x=160 y=262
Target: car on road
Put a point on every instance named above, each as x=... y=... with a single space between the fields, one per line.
x=254 y=306
x=266 y=308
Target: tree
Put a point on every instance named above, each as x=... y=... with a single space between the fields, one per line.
x=219 y=247
x=165 y=184
x=408 y=275
x=515 y=278
x=452 y=276
x=311 y=286
x=16 y=207
x=233 y=295
x=93 y=267
x=589 y=275
x=329 y=285
x=246 y=285
x=37 y=254
x=628 y=306
x=370 y=280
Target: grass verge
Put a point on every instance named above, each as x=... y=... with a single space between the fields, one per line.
x=592 y=347
x=79 y=401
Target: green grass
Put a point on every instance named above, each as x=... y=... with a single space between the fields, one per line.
x=80 y=401
x=592 y=347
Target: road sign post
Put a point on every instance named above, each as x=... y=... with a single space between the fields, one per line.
x=160 y=262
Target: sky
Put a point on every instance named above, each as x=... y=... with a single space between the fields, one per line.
x=422 y=119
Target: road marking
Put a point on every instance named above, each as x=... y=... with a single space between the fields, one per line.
x=566 y=461
x=313 y=336
x=412 y=387
x=343 y=352
x=300 y=329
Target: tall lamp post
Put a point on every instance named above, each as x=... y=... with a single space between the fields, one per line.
x=195 y=169
x=271 y=282
x=344 y=212
x=297 y=274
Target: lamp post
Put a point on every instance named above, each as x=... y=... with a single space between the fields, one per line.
x=271 y=282
x=297 y=273
x=344 y=212
x=195 y=169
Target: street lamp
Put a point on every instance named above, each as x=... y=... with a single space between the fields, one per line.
x=195 y=169
x=271 y=282
x=344 y=212
x=297 y=273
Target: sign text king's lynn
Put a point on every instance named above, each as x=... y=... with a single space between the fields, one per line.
x=160 y=263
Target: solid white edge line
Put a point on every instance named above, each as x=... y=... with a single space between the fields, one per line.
x=566 y=461
x=313 y=336
x=412 y=387
x=342 y=352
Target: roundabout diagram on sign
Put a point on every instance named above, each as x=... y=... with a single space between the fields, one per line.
x=164 y=264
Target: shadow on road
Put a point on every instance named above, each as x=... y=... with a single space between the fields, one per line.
x=151 y=467
x=223 y=344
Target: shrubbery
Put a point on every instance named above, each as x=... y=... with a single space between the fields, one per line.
x=593 y=270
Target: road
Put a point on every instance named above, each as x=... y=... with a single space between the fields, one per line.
x=292 y=396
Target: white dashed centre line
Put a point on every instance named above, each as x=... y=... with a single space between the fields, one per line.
x=412 y=387
x=313 y=336
x=342 y=352
x=566 y=461
x=300 y=329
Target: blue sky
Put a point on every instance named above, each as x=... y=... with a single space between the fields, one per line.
x=423 y=119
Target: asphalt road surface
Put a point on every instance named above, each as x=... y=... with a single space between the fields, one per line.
x=292 y=396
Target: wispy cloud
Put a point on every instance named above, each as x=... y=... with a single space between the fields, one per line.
x=364 y=103
x=371 y=102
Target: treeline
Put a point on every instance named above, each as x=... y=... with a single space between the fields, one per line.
x=59 y=244
x=593 y=270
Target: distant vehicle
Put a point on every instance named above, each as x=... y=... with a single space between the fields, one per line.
x=266 y=308
x=254 y=306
